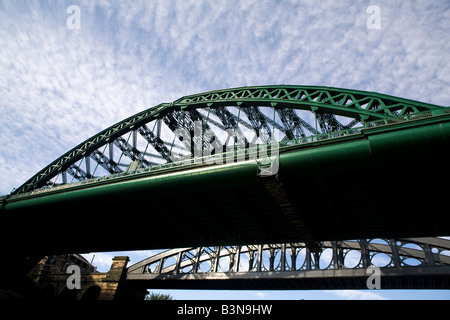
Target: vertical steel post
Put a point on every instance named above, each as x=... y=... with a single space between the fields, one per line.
x=88 y=166
x=335 y=254
x=430 y=258
x=259 y=261
x=177 y=267
x=197 y=260
x=216 y=262
x=111 y=152
x=307 y=259
x=395 y=252
x=134 y=139
x=364 y=253
x=237 y=259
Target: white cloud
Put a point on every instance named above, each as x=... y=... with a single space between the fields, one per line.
x=357 y=295
x=103 y=260
x=260 y=294
x=58 y=87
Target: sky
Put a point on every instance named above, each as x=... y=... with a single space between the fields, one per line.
x=62 y=80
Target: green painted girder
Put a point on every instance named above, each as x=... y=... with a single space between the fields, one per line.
x=385 y=182
x=345 y=102
x=361 y=105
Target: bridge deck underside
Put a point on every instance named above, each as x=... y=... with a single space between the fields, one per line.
x=381 y=184
x=399 y=278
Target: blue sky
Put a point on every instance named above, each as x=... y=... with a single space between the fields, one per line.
x=60 y=86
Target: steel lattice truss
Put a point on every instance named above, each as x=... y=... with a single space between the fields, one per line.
x=354 y=254
x=401 y=257
x=224 y=118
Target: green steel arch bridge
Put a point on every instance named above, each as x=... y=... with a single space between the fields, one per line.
x=250 y=165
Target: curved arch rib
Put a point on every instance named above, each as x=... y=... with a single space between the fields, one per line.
x=325 y=102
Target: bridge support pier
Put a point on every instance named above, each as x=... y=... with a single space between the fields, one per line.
x=113 y=285
x=110 y=285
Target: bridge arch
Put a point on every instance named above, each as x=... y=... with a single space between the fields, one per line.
x=404 y=263
x=148 y=139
